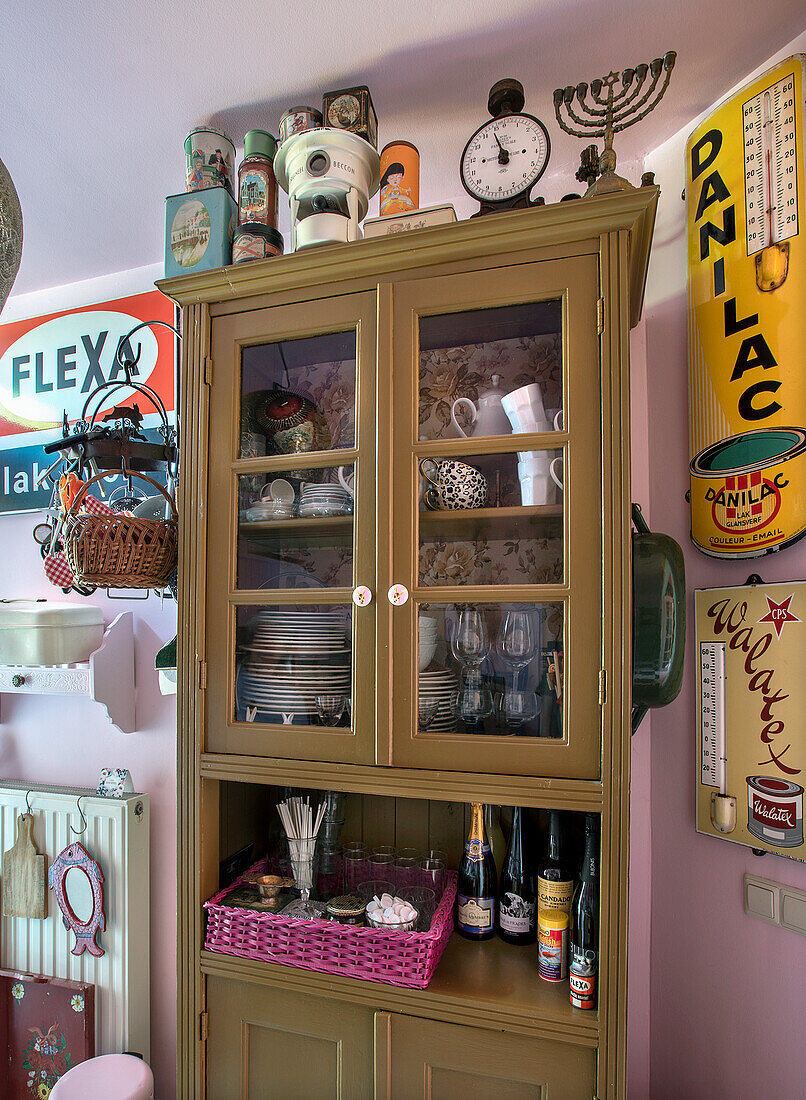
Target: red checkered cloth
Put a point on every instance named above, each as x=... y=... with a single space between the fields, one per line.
x=95 y=507
x=58 y=571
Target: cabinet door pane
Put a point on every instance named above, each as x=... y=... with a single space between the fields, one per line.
x=291 y=531
x=498 y=491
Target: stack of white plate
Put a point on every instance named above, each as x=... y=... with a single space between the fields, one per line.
x=439 y=685
x=294 y=655
x=428 y=638
x=325 y=500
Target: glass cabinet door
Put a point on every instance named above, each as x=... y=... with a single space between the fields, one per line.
x=291 y=527
x=497 y=522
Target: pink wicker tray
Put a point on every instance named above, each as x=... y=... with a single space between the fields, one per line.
x=398 y=958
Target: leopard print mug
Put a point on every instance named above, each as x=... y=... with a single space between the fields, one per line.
x=453 y=484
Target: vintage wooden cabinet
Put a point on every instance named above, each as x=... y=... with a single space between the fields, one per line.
x=381 y=337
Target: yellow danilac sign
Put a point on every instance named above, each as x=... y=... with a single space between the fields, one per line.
x=745 y=198
x=752 y=739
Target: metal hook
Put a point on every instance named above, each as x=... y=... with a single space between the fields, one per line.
x=78 y=832
x=28 y=801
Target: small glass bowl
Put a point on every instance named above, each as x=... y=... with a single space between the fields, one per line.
x=403 y=926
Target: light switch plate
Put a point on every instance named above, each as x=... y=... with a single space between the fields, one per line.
x=775 y=903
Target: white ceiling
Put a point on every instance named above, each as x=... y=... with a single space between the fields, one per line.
x=97 y=97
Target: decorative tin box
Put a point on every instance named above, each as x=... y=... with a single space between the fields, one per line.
x=351 y=109
x=198 y=230
x=49 y=633
x=403 y=223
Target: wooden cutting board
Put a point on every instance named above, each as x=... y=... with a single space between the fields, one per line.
x=24 y=878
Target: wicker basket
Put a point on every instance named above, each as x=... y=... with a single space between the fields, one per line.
x=373 y=955
x=117 y=551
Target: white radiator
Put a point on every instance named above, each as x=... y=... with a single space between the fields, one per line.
x=117 y=838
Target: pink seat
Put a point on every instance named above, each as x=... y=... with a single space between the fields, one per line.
x=108 y=1077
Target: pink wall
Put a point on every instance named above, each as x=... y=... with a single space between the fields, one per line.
x=67 y=741
x=727 y=992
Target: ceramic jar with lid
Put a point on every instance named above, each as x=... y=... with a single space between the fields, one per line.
x=257 y=187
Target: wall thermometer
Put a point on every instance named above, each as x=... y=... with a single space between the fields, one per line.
x=770 y=165
x=713 y=751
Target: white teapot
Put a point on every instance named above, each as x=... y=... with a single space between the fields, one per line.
x=489 y=418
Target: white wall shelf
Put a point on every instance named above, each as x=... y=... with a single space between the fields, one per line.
x=107 y=678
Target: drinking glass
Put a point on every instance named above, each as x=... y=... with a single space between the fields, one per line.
x=375 y=887
x=435 y=853
x=517 y=707
x=426 y=713
x=517 y=642
x=405 y=872
x=304 y=860
x=355 y=846
x=433 y=873
x=356 y=869
x=473 y=705
x=384 y=850
x=331 y=708
x=424 y=900
x=382 y=865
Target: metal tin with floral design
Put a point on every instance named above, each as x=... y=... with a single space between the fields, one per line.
x=253 y=241
x=298 y=119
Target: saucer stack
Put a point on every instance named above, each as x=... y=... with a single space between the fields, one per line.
x=294 y=656
x=427 y=641
x=439 y=685
x=325 y=500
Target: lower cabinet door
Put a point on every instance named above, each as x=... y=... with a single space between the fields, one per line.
x=263 y=1042
x=427 y=1059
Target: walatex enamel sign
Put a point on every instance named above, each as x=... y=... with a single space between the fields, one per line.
x=751 y=642
x=746 y=205
x=50 y=365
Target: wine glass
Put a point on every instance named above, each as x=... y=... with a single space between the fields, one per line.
x=470 y=642
x=517 y=707
x=517 y=641
x=426 y=712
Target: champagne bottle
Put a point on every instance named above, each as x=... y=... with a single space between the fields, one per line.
x=517 y=897
x=555 y=882
x=585 y=923
x=477 y=887
x=495 y=834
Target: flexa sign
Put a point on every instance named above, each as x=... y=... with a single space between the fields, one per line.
x=745 y=196
x=49 y=367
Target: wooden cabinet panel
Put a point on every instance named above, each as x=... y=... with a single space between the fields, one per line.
x=266 y=1043
x=427 y=1060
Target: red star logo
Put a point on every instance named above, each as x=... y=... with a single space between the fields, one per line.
x=779 y=614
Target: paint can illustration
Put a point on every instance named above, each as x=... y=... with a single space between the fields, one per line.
x=775 y=810
x=748 y=493
x=400 y=178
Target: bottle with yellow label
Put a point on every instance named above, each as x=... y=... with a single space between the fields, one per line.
x=478 y=883
x=555 y=881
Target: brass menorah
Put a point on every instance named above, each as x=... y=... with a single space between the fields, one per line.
x=608 y=111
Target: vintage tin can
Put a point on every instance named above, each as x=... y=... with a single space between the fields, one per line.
x=552 y=944
x=257 y=186
x=352 y=109
x=775 y=810
x=745 y=169
x=253 y=241
x=198 y=230
x=209 y=160
x=297 y=120
x=748 y=493
x=400 y=178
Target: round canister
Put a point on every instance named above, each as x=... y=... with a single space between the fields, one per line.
x=748 y=493
x=209 y=160
x=400 y=178
x=253 y=241
x=775 y=810
x=552 y=944
x=298 y=119
x=259 y=143
x=348 y=909
x=257 y=190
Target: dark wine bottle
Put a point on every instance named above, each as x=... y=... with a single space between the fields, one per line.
x=585 y=923
x=477 y=886
x=555 y=882
x=517 y=898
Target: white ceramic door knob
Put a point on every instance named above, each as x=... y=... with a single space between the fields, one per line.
x=398 y=594
x=362 y=596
